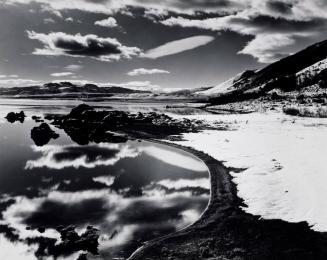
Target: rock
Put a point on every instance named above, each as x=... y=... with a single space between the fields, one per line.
x=79 y=110
x=37 y=119
x=84 y=125
x=292 y=111
x=82 y=257
x=275 y=96
x=12 y=117
x=72 y=242
x=41 y=229
x=205 y=252
x=42 y=134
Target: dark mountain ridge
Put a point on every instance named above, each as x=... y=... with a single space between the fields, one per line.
x=63 y=88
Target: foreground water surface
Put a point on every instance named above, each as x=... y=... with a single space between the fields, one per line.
x=132 y=192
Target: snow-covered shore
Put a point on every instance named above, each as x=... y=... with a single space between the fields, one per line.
x=284 y=160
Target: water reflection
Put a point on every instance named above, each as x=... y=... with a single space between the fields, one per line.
x=131 y=192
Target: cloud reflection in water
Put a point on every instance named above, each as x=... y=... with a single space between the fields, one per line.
x=146 y=191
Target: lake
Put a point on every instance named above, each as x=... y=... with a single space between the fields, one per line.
x=131 y=192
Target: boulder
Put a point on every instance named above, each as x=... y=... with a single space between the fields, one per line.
x=42 y=134
x=79 y=110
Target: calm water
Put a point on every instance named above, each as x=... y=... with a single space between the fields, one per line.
x=132 y=192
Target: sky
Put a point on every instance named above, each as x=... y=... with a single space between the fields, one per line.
x=150 y=44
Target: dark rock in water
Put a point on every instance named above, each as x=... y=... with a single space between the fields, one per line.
x=41 y=229
x=42 y=134
x=12 y=117
x=9 y=233
x=84 y=125
x=37 y=119
x=82 y=257
x=79 y=110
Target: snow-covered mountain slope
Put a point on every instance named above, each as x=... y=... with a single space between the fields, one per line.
x=227 y=86
x=293 y=73
x=221 y=88
x=306 y=75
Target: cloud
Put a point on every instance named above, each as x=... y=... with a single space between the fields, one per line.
x=61 y=157
x=61 y=74
x=298 y=21
x=273 y=34
x=265 y=47
x=142 y=71
x=46 y=8
x=69 y=19
x=10 y=82
x=73 y=67
x=110 y=22
x=185 y=183
x=178 y=46
x=112 y=6
x=8 y=76
x=93 y=46
x=174 y=158
x=49 y=20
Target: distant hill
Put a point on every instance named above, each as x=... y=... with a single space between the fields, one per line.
x=67 y=89
x=307 y=68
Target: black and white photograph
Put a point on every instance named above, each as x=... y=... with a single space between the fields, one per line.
x=163 y=129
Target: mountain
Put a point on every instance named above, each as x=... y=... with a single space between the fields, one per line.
x=67 y=89
x=295 y=73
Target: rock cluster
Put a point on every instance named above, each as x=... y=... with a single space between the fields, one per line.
x=12 y=117
x=72 y=242
x=84 y=124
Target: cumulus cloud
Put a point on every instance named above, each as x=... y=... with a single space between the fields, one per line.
x=289 y=20
x=178 y=46
x=69 y=19
x=110 y=22
x=93 y=46
x=61 y=74
x=143 y=71
x=265 y=47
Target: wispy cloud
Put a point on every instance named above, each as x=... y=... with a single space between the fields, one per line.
x=73 y=67
x=49 y=20
x=178 y=46
x=62 y=74
x=8 y=76
x=143 y=71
